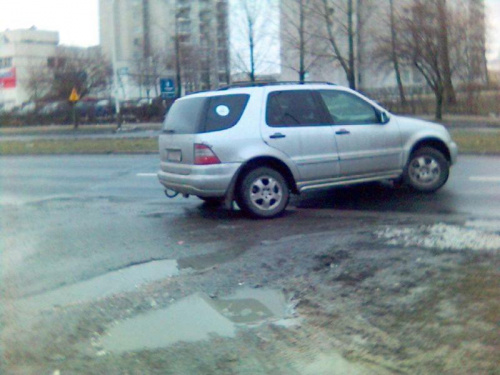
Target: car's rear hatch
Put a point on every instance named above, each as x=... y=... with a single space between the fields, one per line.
x=187 y=121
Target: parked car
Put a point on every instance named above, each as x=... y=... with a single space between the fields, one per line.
x=86 y=110
x=258 y=144
x=105 y=109
x=58 y=112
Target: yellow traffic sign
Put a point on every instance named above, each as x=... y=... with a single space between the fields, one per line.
x=74 y=97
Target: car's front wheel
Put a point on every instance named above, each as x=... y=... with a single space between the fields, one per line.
x=263 y=193
x=427 y=170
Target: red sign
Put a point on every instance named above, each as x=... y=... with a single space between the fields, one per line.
x=8 y=78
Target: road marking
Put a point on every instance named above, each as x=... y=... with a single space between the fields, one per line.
x=484 y=179
x=146 y=175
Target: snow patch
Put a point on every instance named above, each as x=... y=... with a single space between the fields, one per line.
x=441 y=236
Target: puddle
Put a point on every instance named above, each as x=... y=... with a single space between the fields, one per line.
x=196 y=318
x=111 y=283
x=191 y=319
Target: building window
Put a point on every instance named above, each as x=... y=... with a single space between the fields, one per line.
x=6 y=62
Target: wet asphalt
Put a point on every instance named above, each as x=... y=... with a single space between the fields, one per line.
x=65 y=219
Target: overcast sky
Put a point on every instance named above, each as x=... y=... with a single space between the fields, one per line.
x=78 y=21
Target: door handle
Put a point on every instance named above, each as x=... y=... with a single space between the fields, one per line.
x=342 y=132
x=277 y=135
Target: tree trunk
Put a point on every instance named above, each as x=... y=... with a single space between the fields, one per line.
x=449 y=91
x=251 y=43
x=440 y=96
x=302 y=52
x=395 y=60
x=351 y=75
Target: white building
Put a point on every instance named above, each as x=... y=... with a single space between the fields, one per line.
x=22 y=52
x=151 y=36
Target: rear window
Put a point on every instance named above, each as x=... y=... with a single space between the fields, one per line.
x=184 y=116
x=201 y=115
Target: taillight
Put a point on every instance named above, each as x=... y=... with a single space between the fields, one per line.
x=203 y=155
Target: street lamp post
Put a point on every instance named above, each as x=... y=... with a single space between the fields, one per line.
x=115 y=70
x=177 y=54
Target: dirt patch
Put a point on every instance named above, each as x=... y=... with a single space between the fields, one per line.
x=358 y=306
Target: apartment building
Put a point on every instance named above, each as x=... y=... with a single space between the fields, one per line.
x=371 y=24
x=184 y=40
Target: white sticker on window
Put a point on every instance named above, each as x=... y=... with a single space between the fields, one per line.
x=222 y=110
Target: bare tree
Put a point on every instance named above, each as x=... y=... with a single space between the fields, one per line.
x=338 y=19
x=467 y=30
x=443 y=23
x=252 y=37
x=86 y=70
x=388 y=48
x=299 y=29
x=147 y=71
x=422 y=46
x=38 y=82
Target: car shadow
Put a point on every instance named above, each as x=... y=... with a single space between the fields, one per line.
x=378 y=197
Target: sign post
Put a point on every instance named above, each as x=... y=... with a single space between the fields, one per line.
x=74 y=98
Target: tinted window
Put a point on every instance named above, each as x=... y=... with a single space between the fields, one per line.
x=346 y=108
x=199 y=115
x=293 y=108
x=184 y=116
x=224 y=112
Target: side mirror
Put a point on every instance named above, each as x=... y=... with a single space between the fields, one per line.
x=383 y=117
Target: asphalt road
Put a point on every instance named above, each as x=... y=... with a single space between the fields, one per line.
x=71 y=218
x=473 y=188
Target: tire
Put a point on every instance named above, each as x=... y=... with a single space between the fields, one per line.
x=427 y=170
x=263 y=193
x=212 y=201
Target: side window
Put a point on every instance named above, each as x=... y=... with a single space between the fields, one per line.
x=293 y=108
x=224 y=112
x=348 y=109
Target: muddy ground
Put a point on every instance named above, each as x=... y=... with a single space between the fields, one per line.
x=362 y=294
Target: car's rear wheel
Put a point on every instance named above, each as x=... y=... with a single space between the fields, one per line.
x=427 y=170
x=263 y=193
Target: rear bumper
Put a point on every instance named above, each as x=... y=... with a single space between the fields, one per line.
x=202 y=180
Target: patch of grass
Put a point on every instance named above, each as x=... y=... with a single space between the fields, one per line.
x=477 y=142
x=469 y=141
x=80 y=146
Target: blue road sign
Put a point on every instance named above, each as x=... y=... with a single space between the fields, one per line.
x=167 y=88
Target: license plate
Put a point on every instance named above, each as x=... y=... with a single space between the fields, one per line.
x=174 y=155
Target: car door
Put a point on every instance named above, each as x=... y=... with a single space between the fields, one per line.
x=366 y=145
x=297 y=125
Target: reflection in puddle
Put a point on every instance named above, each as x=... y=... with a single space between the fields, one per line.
x=196 y=318
x=191 y=319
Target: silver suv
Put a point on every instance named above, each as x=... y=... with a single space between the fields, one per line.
x=258 y=144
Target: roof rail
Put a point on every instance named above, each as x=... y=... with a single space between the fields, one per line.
x=271 y=83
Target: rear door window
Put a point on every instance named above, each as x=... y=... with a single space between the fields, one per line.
x=293 y=108
x=224 y=112
x=207 y=114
